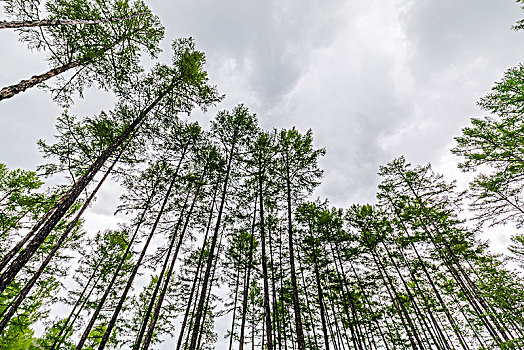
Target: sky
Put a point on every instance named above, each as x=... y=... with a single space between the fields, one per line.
x=373 y=79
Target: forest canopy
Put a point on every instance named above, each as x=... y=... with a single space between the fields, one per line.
x=220 y=234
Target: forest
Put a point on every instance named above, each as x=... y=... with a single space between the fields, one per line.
x=221 y=237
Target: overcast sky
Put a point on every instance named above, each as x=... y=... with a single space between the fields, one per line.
x=373 y=79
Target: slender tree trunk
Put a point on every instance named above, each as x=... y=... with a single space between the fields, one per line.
x=30 y=284
x=131 y=278
x=10 y=91
x=396 y=303
x=267 y=306
x=161 y=276
x=158 y=307
x=274 y=294
x=198 y=317
x=247 y=284
x=308 y=305
x=133 y=273
x=62 y=22
x=232 y=332
x=347 y=296
x=79 y=301
x=472 y=291
x=296 y=304
x=208 y=296
x=450 y=318
x=282 y=291
x=321 y=303
x=64 y=203
x=436 y=324
x=197 y=272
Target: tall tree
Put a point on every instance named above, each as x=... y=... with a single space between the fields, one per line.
x=299 y=175
x=106 y=51
x=494 y=143
x=183 y=85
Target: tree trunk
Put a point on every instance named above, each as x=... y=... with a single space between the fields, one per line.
x=161 y=276
x=198 y=317
x=133 y=273
x=131 y=278
x=29 y=285
x=321 y=303
x=173 y=260
x=296 y=304
x=61 y=22
x=69 y=198
x=197 y=273
x=247 y=283
x=267 y=306
x=79 y=301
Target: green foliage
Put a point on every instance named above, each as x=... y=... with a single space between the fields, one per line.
x=107 y=52
x=492 y=146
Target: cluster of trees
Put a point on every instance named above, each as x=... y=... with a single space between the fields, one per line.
x=219 y=236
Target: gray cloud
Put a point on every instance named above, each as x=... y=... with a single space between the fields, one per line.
x=373 y=79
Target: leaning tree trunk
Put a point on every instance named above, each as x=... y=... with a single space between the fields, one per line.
x=152 y=300
x=61 y=22
x=296 y=304
x=197 y=272
x=109 y=287
x=27 y=288
x=65 y=203
x=80 y=302
x=158 y=306
x=198 y=316
x=12 y=90
x=131 y=278
x=247 y=283
x=267 y=306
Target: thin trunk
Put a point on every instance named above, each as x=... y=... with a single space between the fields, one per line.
x=197 y=272
x=472 y=291
x=30 y=284
x=60 y=22
x=79 y=301
x=133 y=273
x=173 y=260
x=395 y=302
x=308 y=305
x=206 y=307
x=131 y=278
x=296 y=304
x=321 y=302
x=232 y=332
x=161 y=276
x=198 y=317
x=450 y=318
x=347 y=296
x=282 y=290
x=267 y=306
x=276 y=318
x=247 y=284
x=12 y=90
x=70 y=197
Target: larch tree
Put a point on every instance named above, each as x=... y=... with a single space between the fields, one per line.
x=105 y=51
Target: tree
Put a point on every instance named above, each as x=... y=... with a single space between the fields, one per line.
x=299 y=175
x=183 y=85
x=493 y=143
x=232 y=129
x=106 y=51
